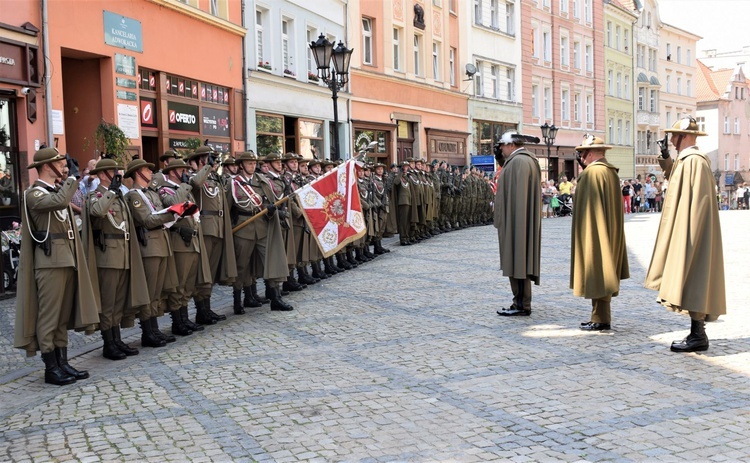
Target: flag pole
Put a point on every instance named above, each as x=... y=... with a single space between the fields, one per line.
x=260 y=214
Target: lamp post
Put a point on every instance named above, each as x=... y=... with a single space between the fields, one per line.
x=549 y=132
x=336 y=78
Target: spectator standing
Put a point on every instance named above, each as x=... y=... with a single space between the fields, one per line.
x=635 y=197
x=649 y=192
x=626 y=196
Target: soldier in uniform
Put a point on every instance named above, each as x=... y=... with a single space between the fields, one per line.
x=118 y=259
x=216 y=228
x=402 y=186
x=368 y=207
x=382 y=197
x=294 y=179
x=187 y=246
x=391 y=221
x=229 y=170
x=159 y=178
x=518 y=214
x=57 y=288
x=259 y=241
x=156 y=251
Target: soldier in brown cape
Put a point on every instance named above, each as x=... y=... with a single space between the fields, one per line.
x=58 y=289
x=156 y=250
x=118 y=258
x=598 y=257
x=294 y=179
x=217 y=232
x=687 y=266
x=518 y=206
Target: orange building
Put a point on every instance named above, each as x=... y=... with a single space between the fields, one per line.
x=404 y=84
x=162 y=70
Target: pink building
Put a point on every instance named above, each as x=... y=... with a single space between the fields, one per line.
x=723 y=109
x=563 y=76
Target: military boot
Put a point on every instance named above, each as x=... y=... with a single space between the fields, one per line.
x=342 y=262
x=201 y=316
x=211 y=313
x=189 y=323
x=304 y=277
x=351 y=258
x=696 y=341
x=330 y=266
x=110 y=350
x=250 y=300
x=276 y=302
x=291 y=284
x=124 y=348
x=178 y=325
x=360 y=256
x=155 y=329
x=256 y=296
x=317 y=273
x=148 y=338
x=53 y=374
x=61 y=353
x=367 y=253
x=237 y=307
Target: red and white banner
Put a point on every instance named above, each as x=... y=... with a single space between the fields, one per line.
x=332 y=209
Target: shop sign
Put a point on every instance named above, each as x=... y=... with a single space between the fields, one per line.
x=183 y=117
x=124 y=64
x=127 y=83
x=483 y=160
x=177 y=144
x=127 y=120
x=125 y=95
x=729 y=178
x=122 y=32
x=11 y=60
x=215 y=122
x=219 y=147
x=148 y=112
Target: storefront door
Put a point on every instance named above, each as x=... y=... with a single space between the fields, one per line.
x=8 y=163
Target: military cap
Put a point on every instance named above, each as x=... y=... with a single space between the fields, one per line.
x=434 y=162
x=394 y=164
x=228 y=161
x=272 y=157
x=246 y=156
x=686 y=125
x=200 y=151
x=327 y=162
x=290 y=156
x=313 y=162
x=591 y=142
x=512 y=137
x=135 y=165
x=105 y=164
x=176 y=164
x=46 y=155
x=404 y=163
x=410 y=160
x=169 y=154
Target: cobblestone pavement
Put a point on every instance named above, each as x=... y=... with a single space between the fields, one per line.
x=404 y=359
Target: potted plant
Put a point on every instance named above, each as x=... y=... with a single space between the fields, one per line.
x=111 y=140
x=264 y=65
x=289 y=73
x=312 y=77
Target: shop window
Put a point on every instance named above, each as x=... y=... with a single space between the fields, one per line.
x=270 y=134
x=179 y=86
x=487 y=134
x=310 y=138
x=363 y=137
x=146 y=79
x=215 y=94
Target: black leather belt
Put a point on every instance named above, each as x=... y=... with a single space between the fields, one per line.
x=247 y=214
x=57 y=236
x=220 y=213
x=117 y=236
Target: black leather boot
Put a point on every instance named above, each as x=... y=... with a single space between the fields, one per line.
x=291 y=284
x=216 y=316
x=350 y=257
x=178 y=325
x=317 y=273
x=342 y=262
x=696 y=341
x=189 y=323
x=124 y=348
x=367 y=253
x=155 y=329
x=360 y=256
x=250 y=300
x=61 y=353
x=148 y=338
x=53 y=374
x=330 y=266
x=304 y=278
x=237 y=307
x=110 y=350
x=256 y=296
x=201 y=316
x=276 y=302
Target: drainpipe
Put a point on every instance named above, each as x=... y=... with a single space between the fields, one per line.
x=245 y=99
x=47 y=77
x=349 y=134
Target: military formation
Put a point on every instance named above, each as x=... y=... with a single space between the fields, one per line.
x=148 y=250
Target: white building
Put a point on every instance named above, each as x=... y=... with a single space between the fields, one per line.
x=288 y=108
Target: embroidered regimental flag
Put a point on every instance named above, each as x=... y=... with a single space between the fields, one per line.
x=332 y=209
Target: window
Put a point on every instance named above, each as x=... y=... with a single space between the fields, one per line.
x=548 y=102
x=310 y=135
x=214 y=7
x=436 y=61
x=669 y=118
x=576 y=8
x=640 y=52
x=726 y=124
x=270 y=134
x=679 y=55
x=627 y=132
x=478 y=80
x=577 y=107
x=564 y=52
x=627 y=87
x=487 y=134
x=641 y=98
x=478 y=12
x=510 y=20
x=535 y=41
x=577 y=55
x=611 y=131
x=397 y=49
x=626 y=40
x=619 y=131
x=653 y=101
x=736 y=125
x=587 y=13
x=564 y=7
x=260 y=18
x=452 y=59
x=535 y=101
x=589 y=59
x=610 y=83
x=494 y=70
x=547 y=37
x=688 y=57
x=494 y=15
x=688 y=88
x=669 y=52
x=679 y=85
x=367 y=41
x=701 y=123
x=618 y=84
x=565 y=104
x=510 y=84
x=617 y=37
x=285 y=57
x=311 y=68
x=589 y=109
x=417 y=54
x=669 y=84
x=609 y=34
x=726 y=161
x=736 y=162
x=452 y=6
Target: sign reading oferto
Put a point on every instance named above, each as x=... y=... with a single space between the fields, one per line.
x=122 y=32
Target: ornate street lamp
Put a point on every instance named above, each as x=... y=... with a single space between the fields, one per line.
x=549 y=132
x=336 y=78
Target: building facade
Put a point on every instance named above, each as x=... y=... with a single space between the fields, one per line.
x=405 y=80
x=289 y=107
x=563 y=83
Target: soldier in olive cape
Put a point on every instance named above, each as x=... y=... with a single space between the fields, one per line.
x=598 y=257
x=687 y=266
x=518 y=219
x=118 y=258
x=58 y=289
x=156 y=250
